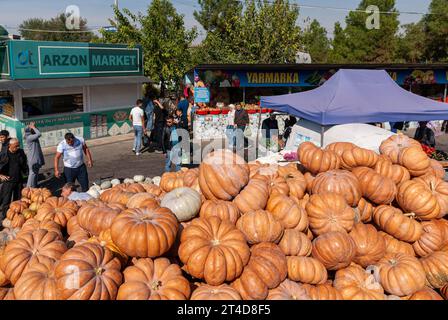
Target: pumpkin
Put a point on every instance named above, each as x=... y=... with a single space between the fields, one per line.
x=130 y=187
x=418 y=198
x=40 y=195
x=267 y=268
x=27 y=192
x=275 y=183
x=340 y=147
x=88 y=272
x=426 y=294
x=260 y=226
x=116 y=196
x=397 y=173
x=288 y=211
x=222 y=175
x=335 y=250
x=415 y=160
x=29 y=214
x=96 y=218
x=296 y=183
x=253 y=197
x=215 y=293
x=322 y=292
x=309 y=178
x=214 y=250
x=172 y=180
x=393 y=146
x=105 y=240
x=33 y=224
x=375 y=187
x=288 y=290
x=29 y=247
x=358 y=157
x=7 y=235
x=341 y=182
x=435 y=266
x=155 y=279
x=443 y=225
x=38 y=282
x=144 y=233
x=295 y=243
x=396 y=246
x=370 y=246
x=60 y=210
x=34 y=206
x=439 y=189
x=401 y=274
x=317 y=160
x=436 y=169
x=355 y=283
x=431 y=239
x=191 y=177
x=185 y=203
x=262 y=168
x=306 y=270
x=398 y=225
x=142 y=200
x=16 y=208
x=7 y=294
x=153 y=189
x=364 y=211
x=444 y=292
x=18 y=221
x=225 y=210
x=329 y=212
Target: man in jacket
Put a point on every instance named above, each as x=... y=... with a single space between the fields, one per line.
x=4 y=141
x=170 y=140
x=240 y=124
x=34 y=154
x=13 y=166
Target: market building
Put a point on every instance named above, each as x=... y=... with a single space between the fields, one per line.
x=84 y=88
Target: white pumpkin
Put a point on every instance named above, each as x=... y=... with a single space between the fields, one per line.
x=147 y=181
x=106 y=185
x=7 y=235
x=156 y=180
x=139 y=179
x=95 y=187
x=94 y=193
x=185 y=203
x=127 y=180
x=115 y=182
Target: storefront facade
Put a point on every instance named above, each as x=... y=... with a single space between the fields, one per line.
x=84 y=88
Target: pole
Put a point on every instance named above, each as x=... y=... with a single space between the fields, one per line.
x=258 y=131
x=445 y=93
x=322 y=135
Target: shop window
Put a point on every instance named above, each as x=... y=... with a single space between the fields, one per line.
x=49 y=105
x=7 y=104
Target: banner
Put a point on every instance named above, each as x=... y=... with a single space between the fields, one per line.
x=202 y=95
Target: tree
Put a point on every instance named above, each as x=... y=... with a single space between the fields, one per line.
x=163 y=36
x=30 y=30
x=411 y=44
x=358 y=43
x=436 y=31
x=315 y=42
x=214 y=14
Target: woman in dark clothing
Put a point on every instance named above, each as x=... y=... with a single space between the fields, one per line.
x=160 y=114
x=425 y=135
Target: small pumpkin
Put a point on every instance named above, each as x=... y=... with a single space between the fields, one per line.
x=317 y=160
x=426 y=294
x=358 y=157
x=435 y=266
x=214 y=293
x=288 y=211
x=253 y=197
x=309 y=178
x=323 y=292
x=370 y=246
x=431 y=239
x=288 y=290
x=335 y=250
x=418 y=198
x=225 y=210
x=396 y=246
x=397 y=173
x=364 y=211
x=306 y=270
x=392 y=146
x=172 y=180
x=439 y=189
x=40 y=195
x=375 y=187
x=295 y=243
x=355 y=283
x=436 y=169
x=185 y=203
x=16 y=208
x=260 y=226
x=340 y=147
x=415 y=160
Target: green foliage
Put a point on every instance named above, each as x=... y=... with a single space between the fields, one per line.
x=411 y=44
x=214 y=14
x=436 y=31
x=315 y=42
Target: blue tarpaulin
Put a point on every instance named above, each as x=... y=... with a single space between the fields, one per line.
x=358 y=96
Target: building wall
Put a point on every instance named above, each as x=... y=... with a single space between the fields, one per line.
x=114 y=96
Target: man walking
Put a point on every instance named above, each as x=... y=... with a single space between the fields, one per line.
x=160 y=114
x=4 y=141
x=137 y=117
x=170 y=145
x=183 y=106
x=72 y=150
x=34 y=154
x=13 y=166
x=240 y=123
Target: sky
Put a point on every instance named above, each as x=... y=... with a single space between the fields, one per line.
x=97 y=12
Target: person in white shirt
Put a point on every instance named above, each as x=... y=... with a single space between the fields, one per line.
x=72 y=150
x=230 y=131
x=69 y=192
x=137 y=117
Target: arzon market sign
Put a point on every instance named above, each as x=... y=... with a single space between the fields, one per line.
x=96 y=60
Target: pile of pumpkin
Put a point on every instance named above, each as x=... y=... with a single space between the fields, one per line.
x=346 y=223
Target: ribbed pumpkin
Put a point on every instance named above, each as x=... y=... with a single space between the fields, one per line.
x=340 y=147
x=431 y=239
x=30 y=247
x=253 y=197
x=401 y=274
x=358 y=157
x=142 y=200
x=7 y=294
x=364 y=211
x=329 y=212
x=309 y=178
x=88 y=272
x=155 y=279
x=395 y=223
x=222 y=175
x=370 y=246
x=275 y=183
x=426 y=294
x=104 y=239
x=323 y=292
x=439 y=189
x=116 y=196
x=296 y=183
x=288 y=211
x=375 y=187
x=130 y=187
x=33 y=224
x=295 y=243
x=306 y=270
x=260 y=226
x=225 y=210
x=418 y=198
x=335 y=250
x=40 y=195
x=215 y=293
x=415 y=160
x=397 y=173
x=341 y=182
x=444 y=292
x=393 y=145
x=97 y=218
x=214 y=250
x=436 y=169
x=191 y=177
x=267 y=268
x=316 y=160
x=172 y=180
x=288 y=290
x=17 y=221
x=27 y=192
x=396 y=246
x=355 y=283
x=435 y=266
x=60 y=210
x=16 y=208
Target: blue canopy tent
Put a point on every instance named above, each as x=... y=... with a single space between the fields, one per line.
x=358 y=96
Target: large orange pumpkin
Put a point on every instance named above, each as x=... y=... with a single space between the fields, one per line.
x=288 y=211
x=144 y=233
x=435 y=266
x=335 y=250
x=142 y=200
x=288 y=290
x=329 y=212
x=393 y=145
x=418 y=198
x=306 y=270
x=375 y=187
x=354 y=283
x=207 y=292
x=323 y=292
x=358 y=157
x=396 y=246
x=225 y=210
x=33 y=225
x=439 y=189
x=253 y=197
x=340 y=147
x=316 y=160
x=267 y=268
x=431 y=239
x=295 y=243
x=214 y=250
x=222 y=175
x=60 y=210
x=341 y=182
x=370 y=246
x=426 y=294
x=97 y=218
x=155 y=279
x=260 y=226
x=88 y=272
x=401 y=274
x=415 y=160
x=397 y=173
x=116 y=196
